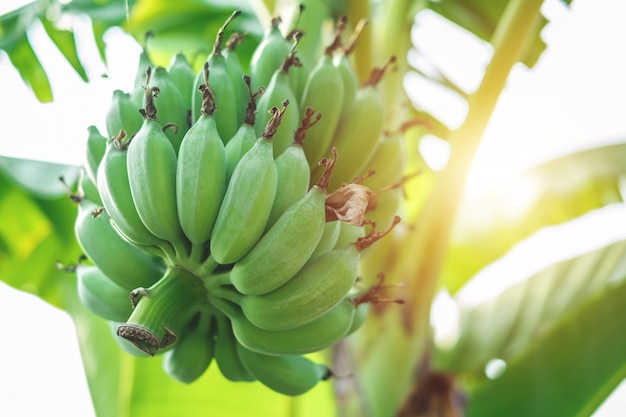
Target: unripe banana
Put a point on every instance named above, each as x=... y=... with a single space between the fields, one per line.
x=172 y=108
x=222 y=87
x=87 y=188
x=193 y=354
x=144 y=62
x=226 y=353
x=315 y=289
x=182 y=76
x=116 y=196
x=360 y=130
x=289 y=375
x=348 y=233
x=122 y=262
x=308 y=18
x=163 y=310
x=319 y=334
x=360 y=315
x=329 y=238
x=248 y=200
x=293 y=170
x=245 y=137
x=287 y=245
x=151 y=163
x=268 y=56
x=278 y=90
x=384 y=205
x=100 y=295
x=348 y=75
x=123 y=115
x=235 y=71
x=96 y=145
x=324 y=93
x=387 y=162
x=201 y=173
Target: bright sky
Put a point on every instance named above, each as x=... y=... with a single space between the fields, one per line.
x=575 y=96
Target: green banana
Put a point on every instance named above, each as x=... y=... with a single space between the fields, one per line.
x=182 y=76
x=163 y=310
x=328 y=239
x=172 y=108
x=194 y=352
x=123 y=115
x=324 y=78
x=144 y=62
x=384 y=204
x=96 y=145
x=315 y=289
x=293 y=170
x=226 y=353
x=101 y=295
x=308 y=18
x=235 y=71
x=201 y=173
x=245 y=137
x=277 y=91
x=151 y=163
x=287 y=245
x=348 y=234
x=348 y=75
x=248 y=199
x=360 y=130
x=87 y=188
x=319 y=334
x=360 y=315
x=222 y=87
x=117 y=199
x=268 y=56
x=387 y=161
x=289 y=375
x=122 y=262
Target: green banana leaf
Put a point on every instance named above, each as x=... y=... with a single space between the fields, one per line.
x=503 y=322
x=15 y=42
x=547 y=194
x=190 y=27
x=480 y=17
x=39 y=231
x=567 y=370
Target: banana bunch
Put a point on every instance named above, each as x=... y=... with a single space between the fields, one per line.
x=224 y=214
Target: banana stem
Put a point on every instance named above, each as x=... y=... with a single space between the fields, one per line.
x=229 y=309
x=216 y=280
x=207 y=267
x=197 y=254
x=163 y=310
x=226 y=294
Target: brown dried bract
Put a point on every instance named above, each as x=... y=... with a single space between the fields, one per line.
x=275 y=120
x=348 y=204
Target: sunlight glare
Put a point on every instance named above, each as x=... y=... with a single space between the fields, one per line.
x=495 y=368
x=444 y=319
x=435 y=152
